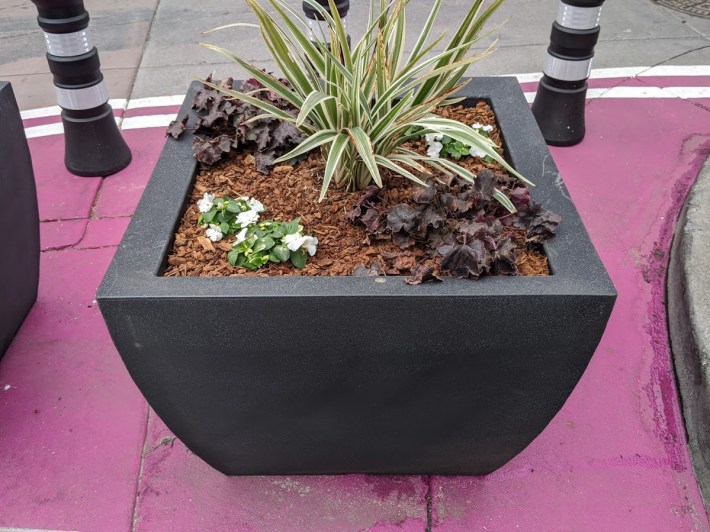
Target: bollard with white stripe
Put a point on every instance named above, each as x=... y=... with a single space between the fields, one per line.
x=318 y=28
x=559 y=102
x=93 y=143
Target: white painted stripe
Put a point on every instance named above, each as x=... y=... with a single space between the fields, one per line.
x=628 y=92
x=57 y=128
x=630 y=72
x=139 y=122
x=607 y=73
x=55 y=110
x=41 y=113
x=672 y=70
x=157 y=101
x=44 y=131
x=685 y=93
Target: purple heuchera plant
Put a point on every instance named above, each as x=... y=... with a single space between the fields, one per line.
x=223 y=125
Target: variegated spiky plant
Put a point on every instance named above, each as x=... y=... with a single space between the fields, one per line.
x=359 y=103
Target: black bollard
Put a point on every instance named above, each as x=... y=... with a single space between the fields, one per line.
x=317 y=27
x=19 y=241
x=93 y=143
x=559 y=102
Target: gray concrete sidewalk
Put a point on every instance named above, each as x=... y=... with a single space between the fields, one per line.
x=149 y=47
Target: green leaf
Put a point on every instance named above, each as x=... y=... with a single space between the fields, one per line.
x=314 y=98
x=387 y=163
x=224 y=227
x=504 y=200
x=292 y=226
x=334 y=156
x=315 y=140
x=233 y=207
x=299 y=258
x=263 y=244
x=281 y=252
x=209 y=215
x=232 y=257
x=362 y=144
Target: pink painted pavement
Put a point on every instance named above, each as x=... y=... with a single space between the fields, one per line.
x=81 y=450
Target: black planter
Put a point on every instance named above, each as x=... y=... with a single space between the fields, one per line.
x=357 y=374
x=19 y=218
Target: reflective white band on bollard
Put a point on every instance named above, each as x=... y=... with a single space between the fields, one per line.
x=81 y=99
x=566 y=70
x=578 y=18
x=68 y=44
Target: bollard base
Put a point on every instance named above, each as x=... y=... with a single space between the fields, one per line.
x=559 y=111
x=94 y=146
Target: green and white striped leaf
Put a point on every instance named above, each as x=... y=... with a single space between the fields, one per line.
x=334 y=155
x=362 y=143
x=315 y=98
x=312 y=142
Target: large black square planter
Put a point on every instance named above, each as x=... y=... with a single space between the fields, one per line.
x=358 y=374
x=19 y=218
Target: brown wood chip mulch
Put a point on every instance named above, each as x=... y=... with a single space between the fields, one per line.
x=288 y=192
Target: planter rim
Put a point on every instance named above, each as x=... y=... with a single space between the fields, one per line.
x=134 y=272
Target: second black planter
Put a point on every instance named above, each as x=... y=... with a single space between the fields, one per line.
x=351 y=374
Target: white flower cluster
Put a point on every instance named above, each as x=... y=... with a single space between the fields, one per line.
x=434 y=144
x=244 y=219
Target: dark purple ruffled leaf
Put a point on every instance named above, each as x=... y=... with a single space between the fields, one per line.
x=177 y=127
x=542 y=225
x=465 y=257
x=402 y=217
x=485 y=184
x=421 y=274
x=423 y=195
x=504 y=259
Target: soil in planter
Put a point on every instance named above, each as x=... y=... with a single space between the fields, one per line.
x=343 y=247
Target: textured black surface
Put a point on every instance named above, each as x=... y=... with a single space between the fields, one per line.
x=697 y=8
x=19 y=219
x=559 y=110
x=358 y=374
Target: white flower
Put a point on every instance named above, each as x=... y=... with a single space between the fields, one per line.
x=487 y=129
x=294 y=241
x=206 y=203
x=214 y=233
x=434 y=149
x=241 y=236
x=247 y=218
x=309 y=244
x=256 y=205
x=432 y=137
x=477 y=152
